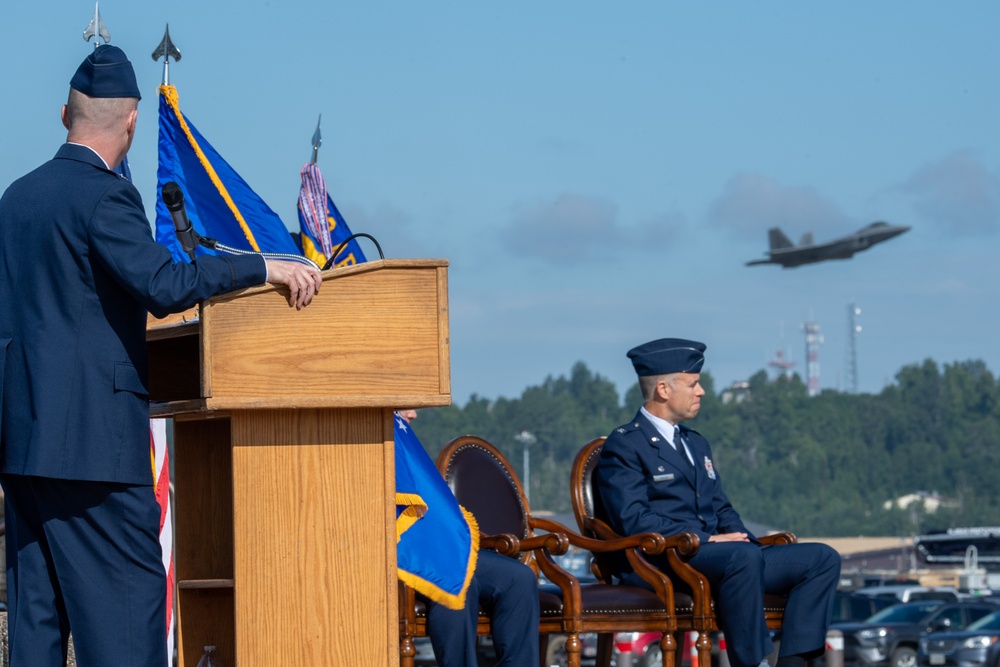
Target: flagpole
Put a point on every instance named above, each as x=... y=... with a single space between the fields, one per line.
x=99 y=31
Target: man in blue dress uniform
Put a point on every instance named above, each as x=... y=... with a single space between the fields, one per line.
x=507 y=591
x=655 y=475
x=79 y=271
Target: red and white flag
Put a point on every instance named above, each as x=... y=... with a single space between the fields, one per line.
x=161 y=483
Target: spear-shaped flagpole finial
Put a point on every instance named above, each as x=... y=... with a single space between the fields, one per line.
x=317 y=140
x=166 y=50
x=97 y=29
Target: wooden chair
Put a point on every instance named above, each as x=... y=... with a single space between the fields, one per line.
x=695 y=609
x=484 y=483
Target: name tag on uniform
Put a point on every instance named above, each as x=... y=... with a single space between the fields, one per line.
x=669 y=477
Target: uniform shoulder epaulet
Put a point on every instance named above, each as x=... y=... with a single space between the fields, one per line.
x=627 y=428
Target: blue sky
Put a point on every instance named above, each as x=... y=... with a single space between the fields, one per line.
x=598 y=173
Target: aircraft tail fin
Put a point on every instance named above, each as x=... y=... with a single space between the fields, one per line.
x=777 y=239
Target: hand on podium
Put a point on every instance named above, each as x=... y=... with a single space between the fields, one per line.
x=303 y=281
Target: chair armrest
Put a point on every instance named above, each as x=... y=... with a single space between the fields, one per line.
x=635 y=547
x=504 y=544
x=648 y=543
x=551 y=543
x=686 y=544
x=678 y=548
x=778 y=538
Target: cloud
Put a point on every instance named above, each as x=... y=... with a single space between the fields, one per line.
x=573 y=229
x=658 y=233
x=956 y=193
x=947 y=287
x=751 y=203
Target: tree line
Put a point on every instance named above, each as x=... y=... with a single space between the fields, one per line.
x=818 y=466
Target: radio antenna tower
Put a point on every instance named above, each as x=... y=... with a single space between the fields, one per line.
x=782 y=367
x=813 y=340
x=852 y=347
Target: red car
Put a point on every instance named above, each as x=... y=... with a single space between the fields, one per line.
x=642 y=649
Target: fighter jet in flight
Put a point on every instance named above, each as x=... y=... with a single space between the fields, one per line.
x=787 y=254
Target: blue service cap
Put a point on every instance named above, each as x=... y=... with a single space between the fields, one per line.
x=106 y=72
x=668 y=355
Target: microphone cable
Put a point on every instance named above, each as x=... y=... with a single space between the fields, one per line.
x=343 y=245
x=215 y=245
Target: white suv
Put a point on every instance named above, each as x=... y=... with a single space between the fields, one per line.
x=905 y=593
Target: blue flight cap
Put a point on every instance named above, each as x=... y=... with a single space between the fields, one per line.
x=106 y=72
x=668 y=355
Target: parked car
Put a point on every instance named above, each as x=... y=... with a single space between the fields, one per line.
x=642 y=649
x=906 y=593
x=980 y=596
x=555 y=654
x=852 y=606
x=976 y=646
x=890 y=638
x=425 y=653
x=639 y=649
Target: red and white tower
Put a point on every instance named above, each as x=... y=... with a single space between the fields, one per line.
x=853 y=329
x=782 y=367
x=813 y=340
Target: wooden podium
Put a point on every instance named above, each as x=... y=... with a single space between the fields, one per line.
x=283 y=460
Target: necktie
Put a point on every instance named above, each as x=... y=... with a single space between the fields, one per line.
x=680 y=445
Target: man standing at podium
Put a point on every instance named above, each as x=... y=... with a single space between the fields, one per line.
x=78 y=272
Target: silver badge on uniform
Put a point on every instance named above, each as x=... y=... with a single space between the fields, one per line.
x=620 y=430
x=709 y=468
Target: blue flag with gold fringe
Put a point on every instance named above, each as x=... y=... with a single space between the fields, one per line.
x=437 y=541
x=322 y=229
x=218 y=201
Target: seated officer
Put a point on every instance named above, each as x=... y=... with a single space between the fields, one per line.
x=656 y=475
x=507 y=590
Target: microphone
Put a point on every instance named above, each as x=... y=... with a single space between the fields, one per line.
x=173 y=198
